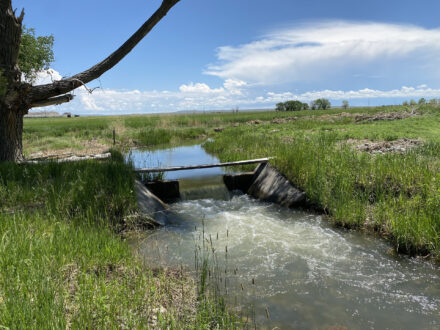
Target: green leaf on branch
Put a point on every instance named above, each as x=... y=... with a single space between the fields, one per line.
x=36 y=53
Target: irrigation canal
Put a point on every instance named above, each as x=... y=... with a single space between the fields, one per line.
x=307 y=273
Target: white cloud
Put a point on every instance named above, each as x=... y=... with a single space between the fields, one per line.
x=89 y=103
x=313 y=51
x=199 y=96
x=199 y=88
x=234 y=86
x=47 y=77
x=104 y=101
x=366 y=93
x=189 y=97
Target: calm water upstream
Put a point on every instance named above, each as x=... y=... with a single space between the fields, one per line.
x=307 y=273
x=181 y=156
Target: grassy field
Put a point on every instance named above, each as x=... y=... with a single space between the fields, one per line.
x=375 y=169
x=84 y=135
x=63 y=263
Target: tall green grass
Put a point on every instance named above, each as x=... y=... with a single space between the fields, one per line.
x=60 y=127
x=396 y=195
x=158 y=136
x=75 y=189
x=62 y=265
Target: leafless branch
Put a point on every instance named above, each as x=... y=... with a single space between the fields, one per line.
x=53 y=101
x=90 y=90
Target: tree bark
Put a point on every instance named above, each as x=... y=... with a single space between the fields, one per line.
x=12 y=91
x=11 y=130
x=53 y=101
x=10 y=39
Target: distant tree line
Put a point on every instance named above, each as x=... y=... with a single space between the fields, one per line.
x=319 y=104
x=421 y=101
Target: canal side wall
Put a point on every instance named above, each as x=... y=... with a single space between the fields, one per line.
x=242 y=181
x=151 y=206
x=167 y=190
x=266 y=183
x=269 y=185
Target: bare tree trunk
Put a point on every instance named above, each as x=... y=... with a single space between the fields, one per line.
x=12 y=107
x=11 y=130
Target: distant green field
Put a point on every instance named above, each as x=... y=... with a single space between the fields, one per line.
x=79 y=134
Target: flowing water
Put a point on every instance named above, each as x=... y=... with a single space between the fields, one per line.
x=307 y=274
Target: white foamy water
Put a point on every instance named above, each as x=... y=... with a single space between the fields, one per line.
x=308 y=274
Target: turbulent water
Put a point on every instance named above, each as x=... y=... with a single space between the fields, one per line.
x=306 y=273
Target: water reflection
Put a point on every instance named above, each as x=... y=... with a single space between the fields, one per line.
x=180 y=156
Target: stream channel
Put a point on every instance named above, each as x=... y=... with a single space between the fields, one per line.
x=307 y=273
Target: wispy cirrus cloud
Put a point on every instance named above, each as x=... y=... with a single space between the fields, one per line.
x=315 y=51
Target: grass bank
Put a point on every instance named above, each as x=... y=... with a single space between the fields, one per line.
x=374 y=169
x=393 y=193
x=63 y=265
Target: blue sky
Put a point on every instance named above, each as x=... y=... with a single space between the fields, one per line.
x=222 y=54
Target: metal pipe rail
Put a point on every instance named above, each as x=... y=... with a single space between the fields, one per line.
x=195 y=167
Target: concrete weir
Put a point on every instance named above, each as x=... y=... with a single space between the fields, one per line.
x=152 y=206
x=269 y=185
x=266 y=183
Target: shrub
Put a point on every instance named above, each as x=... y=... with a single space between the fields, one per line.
x=292 y=106
x=280 y=107
x=320 y=104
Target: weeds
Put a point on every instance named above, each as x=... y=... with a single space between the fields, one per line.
x=62 y=264
x=149 y=177
x=212 y=288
